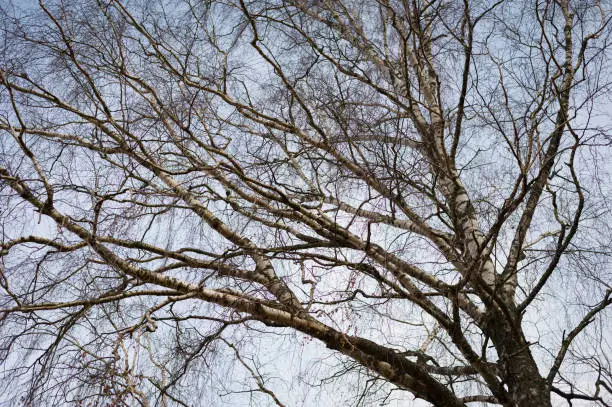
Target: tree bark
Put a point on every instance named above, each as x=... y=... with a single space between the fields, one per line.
x=519 y=371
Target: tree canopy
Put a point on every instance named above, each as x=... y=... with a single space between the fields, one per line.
x=300 y=202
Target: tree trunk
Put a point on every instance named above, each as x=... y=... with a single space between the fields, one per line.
x=526 y=387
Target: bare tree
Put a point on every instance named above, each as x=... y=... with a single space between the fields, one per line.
x=191 y=190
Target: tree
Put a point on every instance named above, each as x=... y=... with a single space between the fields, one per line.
x=190 y=189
